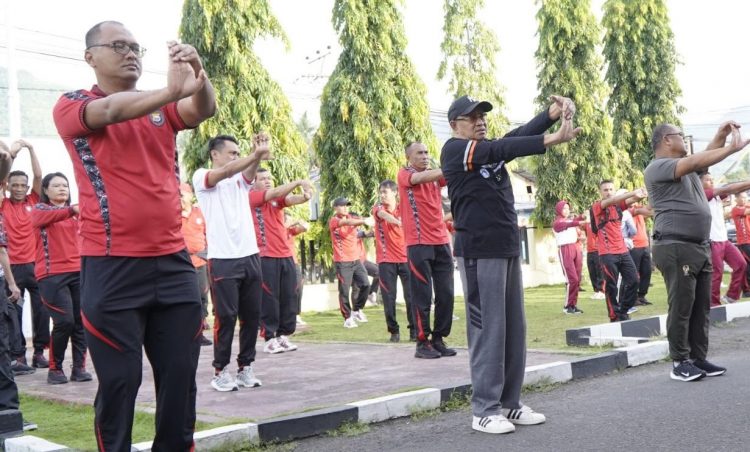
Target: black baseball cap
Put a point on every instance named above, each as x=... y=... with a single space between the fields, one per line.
x=465 y=105
x=341 y=202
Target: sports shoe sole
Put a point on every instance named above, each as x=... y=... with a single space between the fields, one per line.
x=674 y=376
x=425 y=356
x=224 y=389
x=254 y=385
x=510 y=428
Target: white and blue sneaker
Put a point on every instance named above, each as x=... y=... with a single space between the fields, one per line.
x=224 y=382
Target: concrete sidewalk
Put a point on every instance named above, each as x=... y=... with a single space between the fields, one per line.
x=313 y=377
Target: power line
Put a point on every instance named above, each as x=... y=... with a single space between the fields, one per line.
x=65 y=57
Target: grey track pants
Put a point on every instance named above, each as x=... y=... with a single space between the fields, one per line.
x=496 y=329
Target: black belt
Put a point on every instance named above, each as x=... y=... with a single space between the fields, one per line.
x=658 y=236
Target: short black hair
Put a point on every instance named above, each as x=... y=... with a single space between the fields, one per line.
x=606 y=181
x=660 y=132
x=408 y=145
x=18 y=173
x=218 y=141
x=261 y=170
x=92 y=36
x=45 y=184
x=388 y=184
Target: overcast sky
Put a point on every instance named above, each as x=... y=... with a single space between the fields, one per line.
x=710 y=38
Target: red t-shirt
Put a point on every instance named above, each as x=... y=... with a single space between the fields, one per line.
x=56 y=240
x=389 y=237
x=741 y=224
x=640 y=239
x=422 y=210
x=590 y=240
x=270 y=231
x=20 y=231
x=291 y=233
x=127 y=179
x=194 y=231
x=609 y=237
x=344 y=239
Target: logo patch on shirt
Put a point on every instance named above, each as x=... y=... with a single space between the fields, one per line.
x=199 y=221
x=28 y=208
x=157 y=118
x=485 y=174
x=274 y=204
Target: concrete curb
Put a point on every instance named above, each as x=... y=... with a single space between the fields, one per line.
x=643 y=330
x=388 y=407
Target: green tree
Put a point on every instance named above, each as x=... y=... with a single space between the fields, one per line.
x=570 y=66
x=249 y=101
x=372 y=106
x=469 y=50
x=641 y=58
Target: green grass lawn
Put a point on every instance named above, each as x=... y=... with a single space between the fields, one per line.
x=72 y=424
x=545 y=321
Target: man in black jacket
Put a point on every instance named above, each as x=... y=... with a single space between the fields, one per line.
x=487 y=246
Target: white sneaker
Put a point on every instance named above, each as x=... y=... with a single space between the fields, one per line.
x=493 y=424
x=286 y=344
x=350 y=323
x=359 y=316
x=272 y=346
x=224 y=382
x=524 y=416
x=246 y=378
x=372 y=299
x=300 y=321
x=726 y=300
x=632 y=310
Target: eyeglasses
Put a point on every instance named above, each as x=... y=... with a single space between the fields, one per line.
x=122 y=48
x=472 y=118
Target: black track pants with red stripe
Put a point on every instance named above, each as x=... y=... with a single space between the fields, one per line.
x=613 y=266
x=61 y=295
x=279 y=304
x=129 y=304
x=431 y=268
x=745 y=251
x=390 y=272
x=349 y=273
x=236 y=293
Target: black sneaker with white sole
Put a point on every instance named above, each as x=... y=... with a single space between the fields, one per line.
x=711 y=370
x=686 y=371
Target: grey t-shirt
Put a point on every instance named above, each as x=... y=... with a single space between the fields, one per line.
x=680 y=205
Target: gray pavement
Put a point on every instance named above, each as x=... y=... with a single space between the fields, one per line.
x=315 y=376
x=637 y=409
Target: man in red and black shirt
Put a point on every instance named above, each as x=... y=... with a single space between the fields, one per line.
x=641 y=251
x=428 y=250
x=390 y=253
x=613 y=254
x=349 y=269
x=138 y=286
x=22 y=249
x=279 y=303
x=741 y=218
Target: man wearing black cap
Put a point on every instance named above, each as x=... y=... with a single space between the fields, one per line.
x=343 y=227
x=487 y=246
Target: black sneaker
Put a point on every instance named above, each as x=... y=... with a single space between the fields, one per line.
x=56 y=377
x=205 y=341
x=20 y=368
x=443 y=349
x=39 y=361
x=425 y=351
x=80 y=374
x=412 y=336
x=575 y=310
x=746 y=294
x=29 y=426
x=642 y=301
x=686 y=371
x=711 y=370
x=395 y=337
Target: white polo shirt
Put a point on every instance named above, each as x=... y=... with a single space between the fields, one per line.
x=230 y=232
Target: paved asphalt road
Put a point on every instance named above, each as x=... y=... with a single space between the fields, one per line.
x=638 y=409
